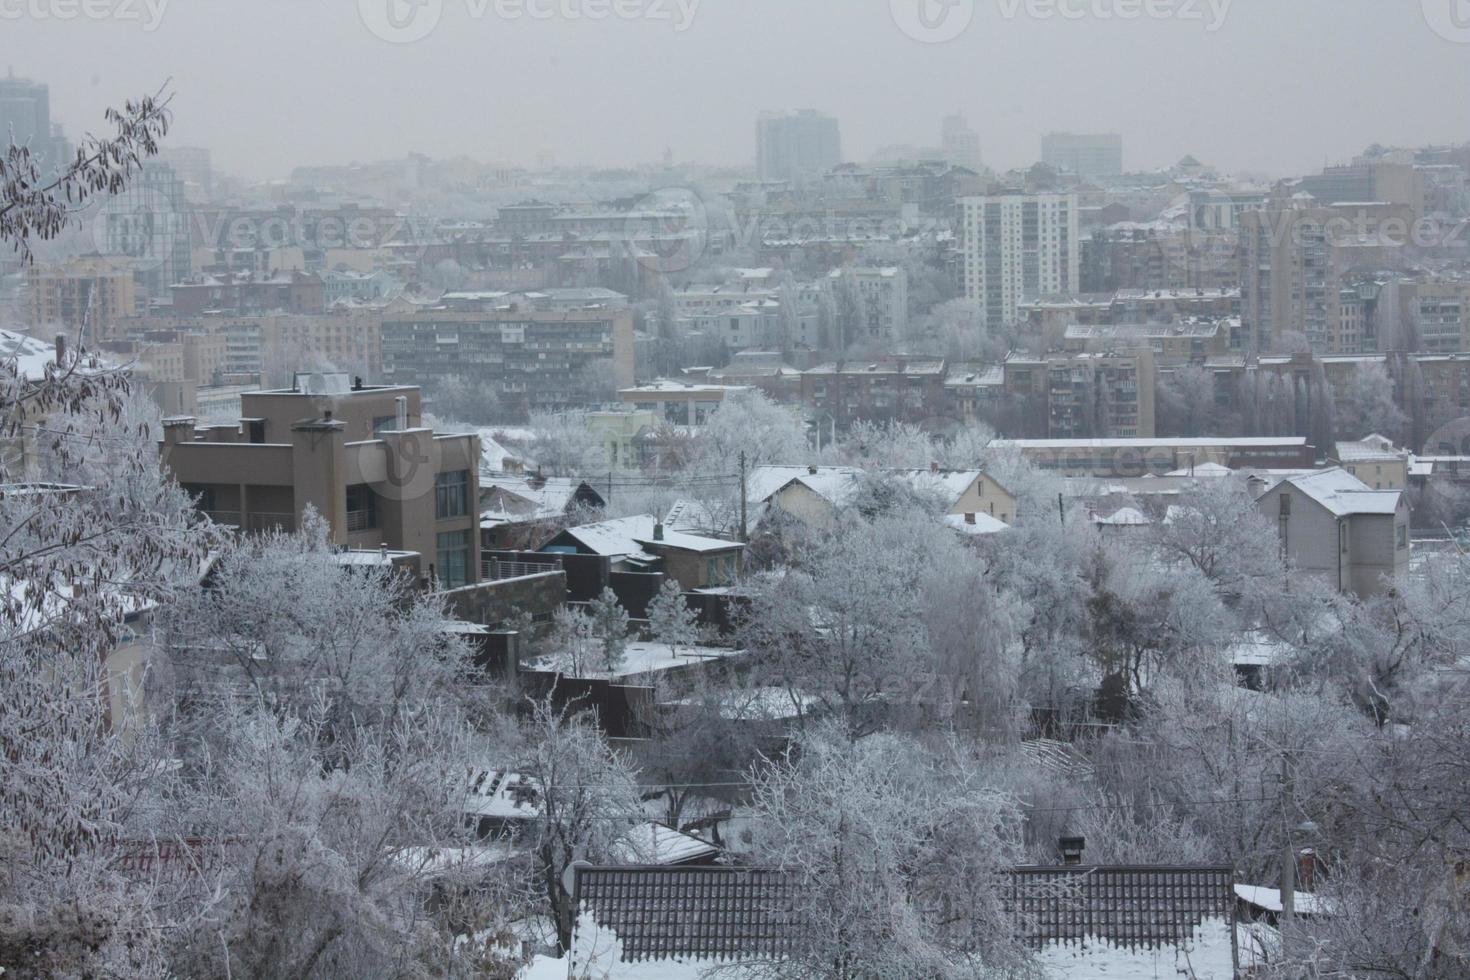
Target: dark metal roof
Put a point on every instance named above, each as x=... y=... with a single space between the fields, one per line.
x=724 y=913
x=1128 y=906
x=712 y=913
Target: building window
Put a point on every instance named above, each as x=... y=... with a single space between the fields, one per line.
x=362 y=508
x=1286 y=505
x=453 y=566
x=451 y=494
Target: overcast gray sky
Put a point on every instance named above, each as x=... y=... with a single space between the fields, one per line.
x=1282 y=86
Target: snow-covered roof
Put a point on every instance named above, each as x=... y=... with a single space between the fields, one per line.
x=1207 y=955
x=655 y=843
x=640 y=658
x=1123 y=517
x=1204 y=470
x=500 y=794
x=31 y=356
x=545 y=497
x=948 y=485
x=1269 y=899
x=982 y=524
x=630 y=535
x=1369 y=449
x=1343 y=494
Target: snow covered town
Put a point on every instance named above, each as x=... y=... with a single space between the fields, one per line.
x=470 y=510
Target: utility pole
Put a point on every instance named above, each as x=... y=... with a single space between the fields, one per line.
x=1288 y=854
x=744 y=533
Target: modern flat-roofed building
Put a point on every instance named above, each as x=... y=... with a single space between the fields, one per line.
x=680 y=402
x=359 y=455
x=542 y=361
x=1137 y=457
x=1085 y=154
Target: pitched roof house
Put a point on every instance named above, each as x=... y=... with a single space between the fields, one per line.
x=1334 y=527
x=643 y=541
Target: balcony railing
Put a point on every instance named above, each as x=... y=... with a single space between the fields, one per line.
x=361 y=520
x=495 y=570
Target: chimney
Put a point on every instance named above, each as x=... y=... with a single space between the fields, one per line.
x=1306 y=869
x=658 y=531
x=1071 y=849
x=383 y=550
x=969 y=518
x=60 y=349
x=402 y=402
x=934 y=467
x=812 y=470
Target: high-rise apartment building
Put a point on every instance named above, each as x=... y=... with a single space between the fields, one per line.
x=961 y=143
x=796 y=146
x=25 y=119
x=1019 y=247
x=1085 y=154
x=1293 y=263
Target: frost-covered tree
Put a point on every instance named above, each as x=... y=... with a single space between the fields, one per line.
x=1368 y=404
x=81 y=571
x=572 y=641
x=587 y=797
x=564 y=445
x=895 y=445
x=610 y=626
x=751 y=423
x=671 y=620
x=325 y=719
x=848 y=626
x=898 y=855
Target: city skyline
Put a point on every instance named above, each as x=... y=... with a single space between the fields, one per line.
x=631 y=88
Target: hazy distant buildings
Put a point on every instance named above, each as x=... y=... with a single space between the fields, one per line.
x=25 y=120
x=1085 y=154
x=195 y=169
x=875 y=298
x=91 y=292
x=148 y=221
x=961 y=144
x=796 y=146
x=1019 y=247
